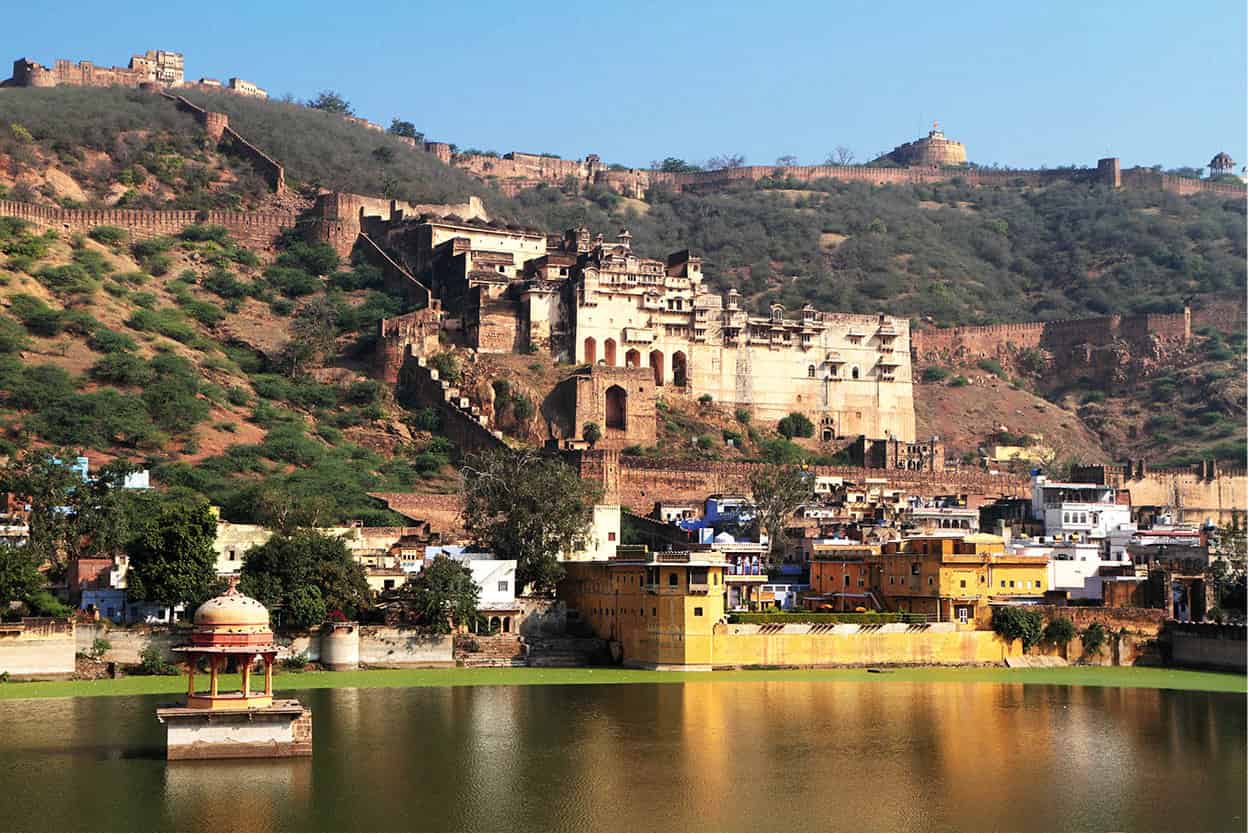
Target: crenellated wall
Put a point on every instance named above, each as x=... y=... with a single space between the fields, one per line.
x=1067 y=341
x=255 y=229
x=415 y=332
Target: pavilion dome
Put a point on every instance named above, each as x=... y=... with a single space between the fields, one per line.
x=1222 y=160
x=232 y=617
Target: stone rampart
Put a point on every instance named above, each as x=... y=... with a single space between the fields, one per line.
x=1059 y=338
x=420 y=387
x=417 y=331
x=217 y=127
x=338 y=217
x=257 y=230
x=636 y=482
x=37 y=648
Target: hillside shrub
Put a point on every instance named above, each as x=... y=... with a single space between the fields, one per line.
x=224 y=283
x=38 y=317
x=959 y=381
x=446 y=365
x=68 y=279
x=103 y=340
x=796 y=425
x=992 y=366
x=935 y=373
x=202 y=232
x=108 y=235
x=13 y=336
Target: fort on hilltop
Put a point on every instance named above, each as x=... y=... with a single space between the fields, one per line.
x=933 y=150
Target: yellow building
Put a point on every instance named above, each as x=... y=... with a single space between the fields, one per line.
x=659 y=607
x=955 y=578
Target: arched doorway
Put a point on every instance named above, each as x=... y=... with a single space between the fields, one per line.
x=656 y=364
x=591 y=350
x=617 y=407
x=680 y=369
x=632 y=359
x=608 y=352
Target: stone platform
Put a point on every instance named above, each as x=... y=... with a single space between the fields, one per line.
x=279 y=731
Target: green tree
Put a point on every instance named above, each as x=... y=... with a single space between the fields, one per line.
x=279 y=572
x=796 y=424
x=777 y=492
x=444 y=594
x=530 y=507
x=399 y=127
x=591 y=432
x=1059 y=631
x=171 y=555
x=331 y=102
x=1015 y=623
x=1094 y=638
x=19 y=576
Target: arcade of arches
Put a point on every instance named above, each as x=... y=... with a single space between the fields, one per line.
x=633 y=359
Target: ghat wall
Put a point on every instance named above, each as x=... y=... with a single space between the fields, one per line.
x=37 y=648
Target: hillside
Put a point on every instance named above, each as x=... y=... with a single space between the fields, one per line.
x=192 y=356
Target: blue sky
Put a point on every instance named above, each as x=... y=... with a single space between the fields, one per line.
x=1021 y=84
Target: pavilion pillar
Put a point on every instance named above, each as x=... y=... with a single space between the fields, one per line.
x=212 y=664
x=245 y=660
x=268 y=675
x=190 y=674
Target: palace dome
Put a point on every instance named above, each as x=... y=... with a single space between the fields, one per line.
x=1222 y=160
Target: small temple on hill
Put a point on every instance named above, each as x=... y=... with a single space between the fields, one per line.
x=233 y=629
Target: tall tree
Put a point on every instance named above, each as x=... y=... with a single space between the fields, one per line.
x=171 y=555
x=19 y=576
x=444 y=593
x=281 y=571
x=331 y=102
x=530 y=507
x=728 y=160
x=69 y=517
x=788 y=160
x=841 y=156
x=777 y=491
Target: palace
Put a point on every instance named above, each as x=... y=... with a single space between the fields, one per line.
x=504 y=288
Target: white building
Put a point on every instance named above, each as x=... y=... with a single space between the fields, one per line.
x=1077 y=511
x=603 y=536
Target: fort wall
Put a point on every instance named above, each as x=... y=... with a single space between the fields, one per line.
x=255 y=229
x=420 y=387
x=416 y=332
x=1059 y=338
x=338 y=217
x=637 y=483
x=217 y=127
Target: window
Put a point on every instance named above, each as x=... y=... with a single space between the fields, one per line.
x=502 y=586
x=671 y=579
x=611 y=536
x=931 y=580
x=1002 y=583
x=914 y=569
x=810 y=371
x=697 y=612
x=847 y=580
x=963 y=583
x=233 y=554
x=861 y=583
x=1011 y=583
x=854 y=372
x=654 y=612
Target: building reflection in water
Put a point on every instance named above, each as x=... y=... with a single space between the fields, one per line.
x=238 y=794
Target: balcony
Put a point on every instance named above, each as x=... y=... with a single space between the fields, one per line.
x=699 y=588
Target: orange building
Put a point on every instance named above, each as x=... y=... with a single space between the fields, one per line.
x=844 y=577
x=956 y=578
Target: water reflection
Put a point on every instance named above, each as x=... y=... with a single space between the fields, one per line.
x=698 y=756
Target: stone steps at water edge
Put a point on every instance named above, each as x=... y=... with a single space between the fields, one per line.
x=1035 y=662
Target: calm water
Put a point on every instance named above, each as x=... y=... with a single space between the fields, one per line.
x=700 y=756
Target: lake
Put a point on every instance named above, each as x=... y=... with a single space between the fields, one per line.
x=694 y=756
